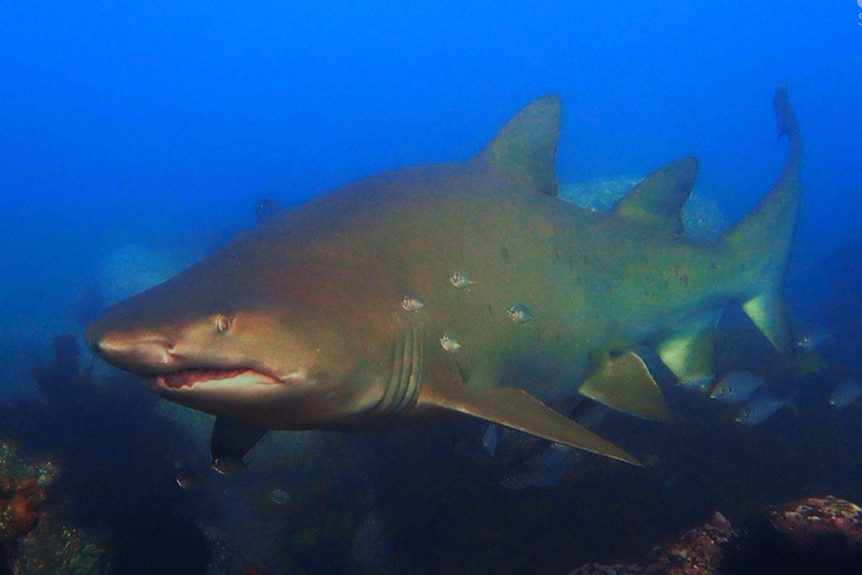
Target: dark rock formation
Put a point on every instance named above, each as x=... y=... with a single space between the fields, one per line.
x=817 y=535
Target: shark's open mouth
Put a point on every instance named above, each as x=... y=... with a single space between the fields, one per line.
x=190 y=377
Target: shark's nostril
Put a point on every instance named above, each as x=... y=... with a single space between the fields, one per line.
x=152 y=353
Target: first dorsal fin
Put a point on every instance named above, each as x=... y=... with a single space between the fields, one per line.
x=658 y=199
x=527 y=144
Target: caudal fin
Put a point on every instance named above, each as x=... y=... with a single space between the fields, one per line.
x=762 y=240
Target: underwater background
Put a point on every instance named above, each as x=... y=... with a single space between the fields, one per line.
x=139 y=136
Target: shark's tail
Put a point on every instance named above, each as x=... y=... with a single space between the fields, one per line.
x=761 y=241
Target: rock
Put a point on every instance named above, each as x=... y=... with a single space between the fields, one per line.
x=814 y=518
x=700 y=215
x=37 y=535
x=816 y=535
x=20 y=501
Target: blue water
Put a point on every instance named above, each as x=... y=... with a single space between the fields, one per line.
x=159 y=124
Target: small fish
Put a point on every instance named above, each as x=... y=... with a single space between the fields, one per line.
x=547 y=463
x=449 y=343
x=761 y=407
x=279 y=496
x=188 y=481
x=412 y=303
x=522 y=477
x=736 y=387
x=550 y=456
x=519 y=313
x=845 y=393
x=699 y=384
x=461 y=280
x=228 y=465
x=812 y=337
x=490 y=440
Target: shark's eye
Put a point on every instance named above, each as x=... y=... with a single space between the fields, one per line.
x=223 y=323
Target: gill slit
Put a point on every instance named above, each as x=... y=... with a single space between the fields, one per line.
x=402 y=390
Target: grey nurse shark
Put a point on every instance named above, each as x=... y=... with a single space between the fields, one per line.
x=464 y=286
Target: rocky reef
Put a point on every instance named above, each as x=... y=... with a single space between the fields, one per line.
x=816 y=535
x=72 y=478
x=19 y=506
x=701 y=216
x=37 y=533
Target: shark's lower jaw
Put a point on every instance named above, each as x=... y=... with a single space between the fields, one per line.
x=207 y=377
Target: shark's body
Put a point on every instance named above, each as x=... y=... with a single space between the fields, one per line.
x=464 y=286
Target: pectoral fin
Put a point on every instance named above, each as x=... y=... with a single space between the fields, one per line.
x=624 y=383
x=519 y=410
x=233 y=440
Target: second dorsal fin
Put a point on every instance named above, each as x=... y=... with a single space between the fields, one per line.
x=658 y=199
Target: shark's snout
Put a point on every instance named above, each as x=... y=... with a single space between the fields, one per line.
x=138 y=353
